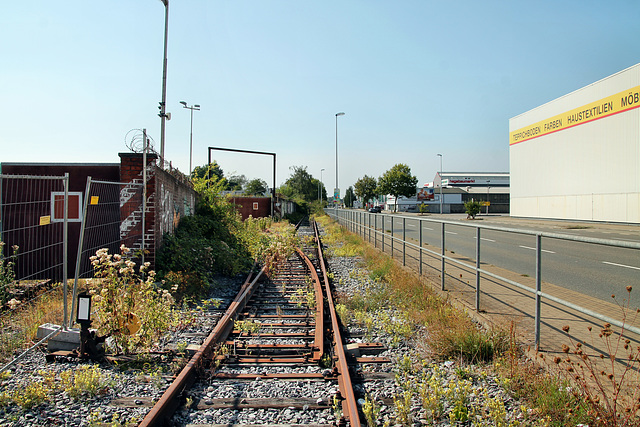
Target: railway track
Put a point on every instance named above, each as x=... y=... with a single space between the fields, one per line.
x=278 y=351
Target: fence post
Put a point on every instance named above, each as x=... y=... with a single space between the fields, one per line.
x=443 y=261
x=477 y=268
x=79 y=255
x=144 y=190
x=420 y=250
x=538 y=286
x=65 y=250
x=375 y=231
x=383 y=220
x=404 y=241
x=392 y=236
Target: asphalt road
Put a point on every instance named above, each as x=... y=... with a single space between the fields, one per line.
x=595 y=270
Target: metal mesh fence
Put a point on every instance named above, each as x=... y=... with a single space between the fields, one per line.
x=113 y=217
x=33 y=248
x=32 y=225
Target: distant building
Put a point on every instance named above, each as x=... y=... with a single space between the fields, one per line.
x=578 y=156
x=458 y=188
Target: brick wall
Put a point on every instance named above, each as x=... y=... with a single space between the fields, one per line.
x=257 y=207
x=169 y=198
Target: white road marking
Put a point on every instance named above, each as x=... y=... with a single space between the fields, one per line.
x=621 y=265
x=410 y=225
x=533 y=249
x=488 y=240
x=427 y=228
x=450 y=232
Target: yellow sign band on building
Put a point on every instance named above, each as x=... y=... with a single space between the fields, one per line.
x=614 y=104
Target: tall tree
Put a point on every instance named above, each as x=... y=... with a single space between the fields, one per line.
x=256 y=187
x=301 y=184
x=202 y=171
x=397 y=182
x=366 y=188
x=349 y=197
x=236 y=182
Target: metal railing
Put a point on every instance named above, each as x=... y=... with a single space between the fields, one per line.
x=372 y=227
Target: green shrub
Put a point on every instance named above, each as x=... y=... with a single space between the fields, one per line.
x=472 y=208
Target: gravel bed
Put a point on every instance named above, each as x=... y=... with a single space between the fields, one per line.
x=144 y=384
x=448 y=380
x=411 y=373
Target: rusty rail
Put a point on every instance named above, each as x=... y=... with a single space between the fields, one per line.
x=319 y=333
x=165 y=406
x=344 y=378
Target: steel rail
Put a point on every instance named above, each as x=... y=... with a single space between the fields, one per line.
x=319 y=335
x=344 y=378
x=164 y=407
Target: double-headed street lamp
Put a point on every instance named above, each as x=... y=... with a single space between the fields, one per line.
x=337 y=189
x=197 y=108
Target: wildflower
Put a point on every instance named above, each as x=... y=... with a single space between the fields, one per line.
x=566 y=328
x=629 y=288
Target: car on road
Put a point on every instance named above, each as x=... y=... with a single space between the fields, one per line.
x=375 y=209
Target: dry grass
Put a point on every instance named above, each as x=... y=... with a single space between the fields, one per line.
x=453 y=335
x=19 y=327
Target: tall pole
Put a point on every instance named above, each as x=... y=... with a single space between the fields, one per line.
x=337 y=189
x=191 y=143
x=440 y=155
x=488 y=187
x=320 y=185
x=163 y=104
x=197 y=108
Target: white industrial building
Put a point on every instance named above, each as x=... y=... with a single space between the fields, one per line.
x=457 y=188
x=578 y=156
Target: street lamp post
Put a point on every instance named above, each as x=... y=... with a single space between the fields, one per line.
x=440 y=155
x=337 y=190
x=320 y=185
x=488 y=187
x=163 y=114
x=197 y=108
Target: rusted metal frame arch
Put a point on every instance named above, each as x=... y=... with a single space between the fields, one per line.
x=344 y=378
x=233 y=150
x=319 y=336
x=164 y=407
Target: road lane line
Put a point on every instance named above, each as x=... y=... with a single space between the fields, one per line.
x=483 y=238
x=533 y=249
x=621 y=265
x=450 y=232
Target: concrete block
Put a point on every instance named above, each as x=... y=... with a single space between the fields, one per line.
x=64 y=341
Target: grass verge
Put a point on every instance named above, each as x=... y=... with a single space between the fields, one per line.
x=453 y=335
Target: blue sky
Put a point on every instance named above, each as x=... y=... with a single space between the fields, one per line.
x=415 y=78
